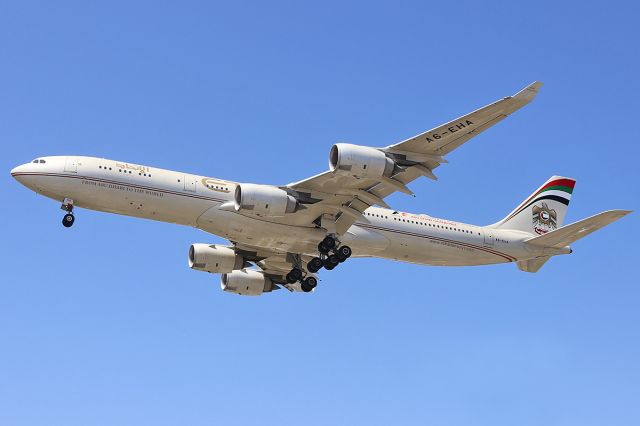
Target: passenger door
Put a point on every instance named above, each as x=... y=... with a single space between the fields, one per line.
x=189 y=183
x=71 y=165
x=489 y=238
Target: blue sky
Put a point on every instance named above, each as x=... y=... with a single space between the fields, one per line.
x=104 y=323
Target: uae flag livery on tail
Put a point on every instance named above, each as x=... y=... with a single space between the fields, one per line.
x=544 y=210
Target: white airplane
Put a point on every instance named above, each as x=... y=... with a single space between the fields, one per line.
x=281 y=236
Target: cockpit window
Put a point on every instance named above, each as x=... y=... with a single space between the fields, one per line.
x=38 y=160
x=42 y=161
x=35 y=161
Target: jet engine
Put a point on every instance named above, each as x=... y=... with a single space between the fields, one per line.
x=214 y=258
x=263 y=200
x=359 y=161
x=246 y=282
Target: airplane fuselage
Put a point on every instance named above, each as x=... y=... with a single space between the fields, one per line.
x=193 y=200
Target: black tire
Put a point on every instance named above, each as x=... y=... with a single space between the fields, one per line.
x=67 y=220
x=322 y=249
x=329 y=242
x=344 y=252
x=314 y=265
x=297 y=273
x=294 y=275
x=309 y=284
x=331 y=261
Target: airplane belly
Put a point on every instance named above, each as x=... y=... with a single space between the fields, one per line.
x=121 y=198
x=438 y=251
x=365 y=242
x=257 y=232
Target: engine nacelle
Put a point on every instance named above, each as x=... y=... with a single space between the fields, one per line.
x=359 y=161
x=214 y=258
x=246 y=282
x=264 y=200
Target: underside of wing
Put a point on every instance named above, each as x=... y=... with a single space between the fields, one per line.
x=274 y=265
x=447 y=137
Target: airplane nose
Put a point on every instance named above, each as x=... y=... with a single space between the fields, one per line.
x=16 y=171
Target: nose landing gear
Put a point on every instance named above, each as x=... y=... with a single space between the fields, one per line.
x=68 y=219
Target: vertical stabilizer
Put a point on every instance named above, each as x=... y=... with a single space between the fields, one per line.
x=544 y=210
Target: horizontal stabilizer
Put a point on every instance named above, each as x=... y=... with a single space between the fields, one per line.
x=566 y=235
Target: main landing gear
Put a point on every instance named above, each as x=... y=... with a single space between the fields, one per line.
x=331 y=255
x=307 y=284
x=67 y=219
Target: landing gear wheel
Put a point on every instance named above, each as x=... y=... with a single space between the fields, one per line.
x=309 y=284
x=329 y=242
x=294 y=276
x=314 y=265
x=343 y=253
x=68 y=220
x=323 y=249
x=331 y=262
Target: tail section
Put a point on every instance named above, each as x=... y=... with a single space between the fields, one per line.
x=544 y=210
x=542 y=215
x=562 y=237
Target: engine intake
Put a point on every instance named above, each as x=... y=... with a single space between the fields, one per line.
x=246 y=282
x=214 y=258
x=264 y=200
x=359 y=161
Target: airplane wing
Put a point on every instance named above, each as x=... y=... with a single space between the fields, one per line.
x=339 y=198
